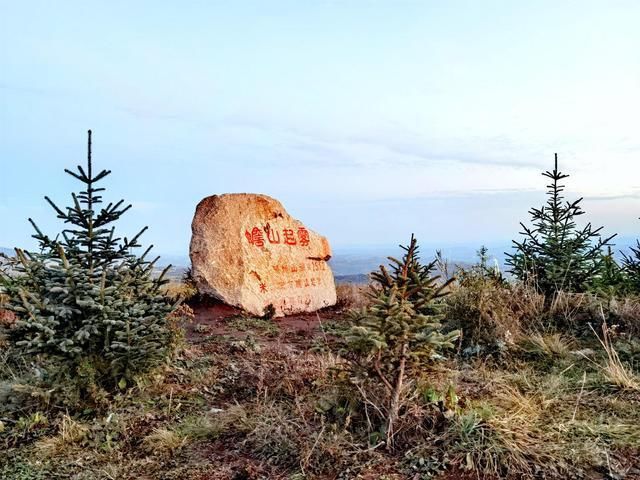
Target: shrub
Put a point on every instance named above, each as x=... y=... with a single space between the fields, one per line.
x=86 y=304
x=400 y=333
x=351 y=295
x=489 y=312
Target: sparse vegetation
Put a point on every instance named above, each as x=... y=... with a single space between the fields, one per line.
x=351 y=295
x=472 y=376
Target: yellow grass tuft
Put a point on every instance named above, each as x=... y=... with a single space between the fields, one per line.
x=614 y=370
x=553 y=345
x=70 y=434
x=164 y=441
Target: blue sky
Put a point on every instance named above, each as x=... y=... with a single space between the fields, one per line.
x=369 y=120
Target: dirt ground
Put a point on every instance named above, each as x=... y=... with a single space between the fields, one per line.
x=218 y=319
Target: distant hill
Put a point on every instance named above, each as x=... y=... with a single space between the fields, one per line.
x=352 y=265
x=359 y=279
x=348 y=266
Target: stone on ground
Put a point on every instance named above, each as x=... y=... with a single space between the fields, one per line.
x=247 y=251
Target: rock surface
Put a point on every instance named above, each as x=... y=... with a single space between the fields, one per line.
x=247 y=251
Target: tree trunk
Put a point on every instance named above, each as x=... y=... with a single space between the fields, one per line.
x=394 y=406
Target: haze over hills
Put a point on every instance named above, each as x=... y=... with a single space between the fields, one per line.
x=352 y=264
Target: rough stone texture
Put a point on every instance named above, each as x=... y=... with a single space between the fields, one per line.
x=247 y=251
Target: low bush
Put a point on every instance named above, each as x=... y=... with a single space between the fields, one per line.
x=491 y=314
x=351 y=295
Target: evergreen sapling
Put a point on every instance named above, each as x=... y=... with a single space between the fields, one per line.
x=85 y=300
x=400 y=333
x=555 y=254
x=631 y=266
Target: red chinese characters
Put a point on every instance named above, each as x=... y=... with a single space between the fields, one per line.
x=289 y=238
x=255 y=237
x=273 y=236
x=303 y=236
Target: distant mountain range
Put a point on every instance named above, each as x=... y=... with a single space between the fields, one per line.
x=350 y=265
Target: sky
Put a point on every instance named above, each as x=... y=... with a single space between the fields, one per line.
x=369 y=120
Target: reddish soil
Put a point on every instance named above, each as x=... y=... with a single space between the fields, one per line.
x=214 y=319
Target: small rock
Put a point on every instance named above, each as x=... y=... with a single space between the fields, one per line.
x=585 y=352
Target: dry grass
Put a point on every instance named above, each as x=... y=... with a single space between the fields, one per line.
x=504 y=435
x=626 y=311
x=351 y=295
x=554 y=345
x=70 y=434
x=288 y=435
x=164 y=441
x=503 y=446
x=492 y=315
x=180 y=290
x=569 y=308
x=616 y=372
x=574 y=311
x=530 y=405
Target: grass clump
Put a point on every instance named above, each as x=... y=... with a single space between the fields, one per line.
x=164 y=441
x=351 y=295
x=490 y=312
x=615 y=371
x=547 y=345
x=252 y=324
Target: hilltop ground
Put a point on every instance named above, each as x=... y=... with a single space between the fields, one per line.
x=249 y=398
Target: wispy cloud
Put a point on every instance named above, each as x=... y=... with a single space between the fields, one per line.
x=607 y=197
x=394 y=148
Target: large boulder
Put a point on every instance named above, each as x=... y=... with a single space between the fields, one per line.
x=247 y=251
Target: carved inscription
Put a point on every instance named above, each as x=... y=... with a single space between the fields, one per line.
x=256 y=236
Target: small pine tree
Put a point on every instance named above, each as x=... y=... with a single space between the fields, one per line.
x=85 y=300
x=481 y=270
x=611 y=279
x=631 y=266
x=401 y=331
x=555 y=254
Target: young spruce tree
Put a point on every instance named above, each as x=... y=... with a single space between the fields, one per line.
x=555 y=253
x=612 y=279
x=631 y=266
x=400 y=332
x=85 y=301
